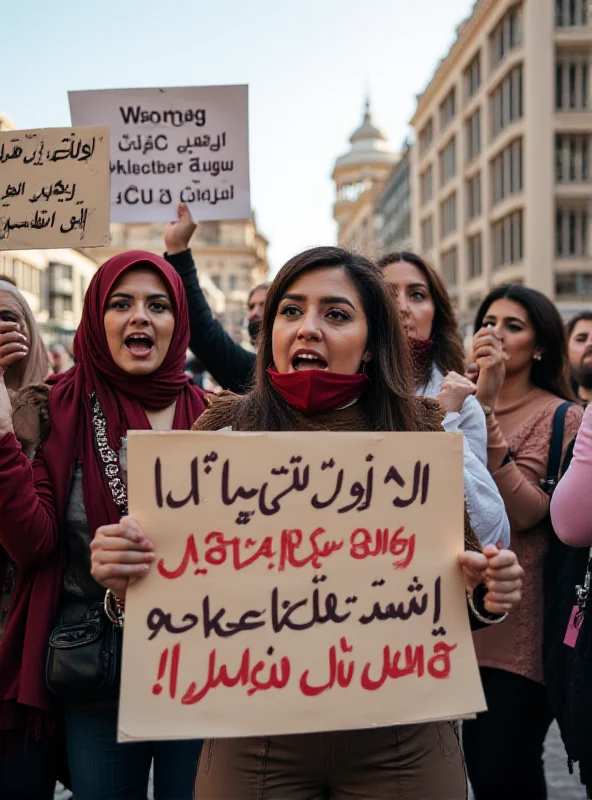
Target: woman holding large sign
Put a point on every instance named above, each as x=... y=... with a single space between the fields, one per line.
x=130 y=353
x=333 y=357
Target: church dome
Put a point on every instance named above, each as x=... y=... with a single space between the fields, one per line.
x=367 y=129
x=369 y=145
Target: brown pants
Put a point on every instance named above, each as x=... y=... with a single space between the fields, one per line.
x=411 y=762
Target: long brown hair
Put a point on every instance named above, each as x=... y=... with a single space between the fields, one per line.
x=388 y=402
x=550 y=373
x=448 y=353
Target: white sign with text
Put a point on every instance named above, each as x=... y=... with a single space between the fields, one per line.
x=170 y=146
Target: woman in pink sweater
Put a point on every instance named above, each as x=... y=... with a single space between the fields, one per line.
x=571 y=506
x=520 y=350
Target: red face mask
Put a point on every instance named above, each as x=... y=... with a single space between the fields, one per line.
x=313 y=391
x=421 y=352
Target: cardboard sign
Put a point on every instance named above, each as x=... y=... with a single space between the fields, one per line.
x=54 y=188
x=171 y=146
x=302 y=582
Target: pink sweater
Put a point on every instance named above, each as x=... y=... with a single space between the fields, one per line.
x=571 y=506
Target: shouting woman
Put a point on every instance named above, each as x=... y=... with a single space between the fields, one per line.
x=130 y=354
x=333 y=357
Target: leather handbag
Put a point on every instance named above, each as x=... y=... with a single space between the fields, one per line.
x=83 y=661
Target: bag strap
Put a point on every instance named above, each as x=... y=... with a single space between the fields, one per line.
x=549 y=483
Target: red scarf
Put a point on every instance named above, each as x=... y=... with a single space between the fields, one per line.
x=122 y=397
x=313 y=391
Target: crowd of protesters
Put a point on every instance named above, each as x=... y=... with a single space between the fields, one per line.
x=339 y=343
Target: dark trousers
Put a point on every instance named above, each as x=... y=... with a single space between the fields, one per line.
x=101 y=769
x=28 y=768
x=504 y=745
x=409 y=762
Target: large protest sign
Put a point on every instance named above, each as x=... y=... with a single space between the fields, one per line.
x=172 y=146
x=54 y=188
x=302 y=582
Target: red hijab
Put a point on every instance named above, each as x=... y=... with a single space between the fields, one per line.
x=122 y=396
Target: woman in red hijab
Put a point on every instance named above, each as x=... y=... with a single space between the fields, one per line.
x=129 y=375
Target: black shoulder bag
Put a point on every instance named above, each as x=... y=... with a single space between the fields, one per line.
x=83 y=661
x=568 y=670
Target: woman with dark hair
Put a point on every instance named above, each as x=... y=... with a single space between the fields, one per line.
x=129 y=352
x=438 y=360
x=520 y=351
x=333 y=357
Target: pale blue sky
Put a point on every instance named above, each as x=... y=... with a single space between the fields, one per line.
x=307 y=63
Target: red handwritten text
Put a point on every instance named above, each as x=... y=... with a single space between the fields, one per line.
x=364 y=544
x=295 y=550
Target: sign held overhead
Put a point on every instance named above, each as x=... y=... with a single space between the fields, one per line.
x=171 y=146
x=54 y=188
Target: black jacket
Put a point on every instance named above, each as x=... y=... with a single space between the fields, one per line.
x=227 y=362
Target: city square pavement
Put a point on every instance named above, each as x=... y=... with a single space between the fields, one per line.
x=562 y=785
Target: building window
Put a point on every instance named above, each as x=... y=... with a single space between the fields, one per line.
x=475 y=260
x=571 y=232
x=506 y=102
x=35 y=281
x=427 y=185
x=571 y=13
x=426 y=137
x=448 y=109
x=474 y=304
x=427 y=234
x=506 y=172
x=571 y=82
x=18 y=272
x=448 y=162
x=232 y=283
x=572 y=158
x=394 y=209
x=209 y=232
x=448 y=216
x=474 y=136
x=217 y=281
x=474 y=196
x=506 y=36
x=507 y=240
x=27 y=278
x=449 y=263
x=473 y=76
x=574 y=284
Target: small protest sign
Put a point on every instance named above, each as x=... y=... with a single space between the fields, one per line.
x=314 y=587
x=170 y=146
x=54 y=188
